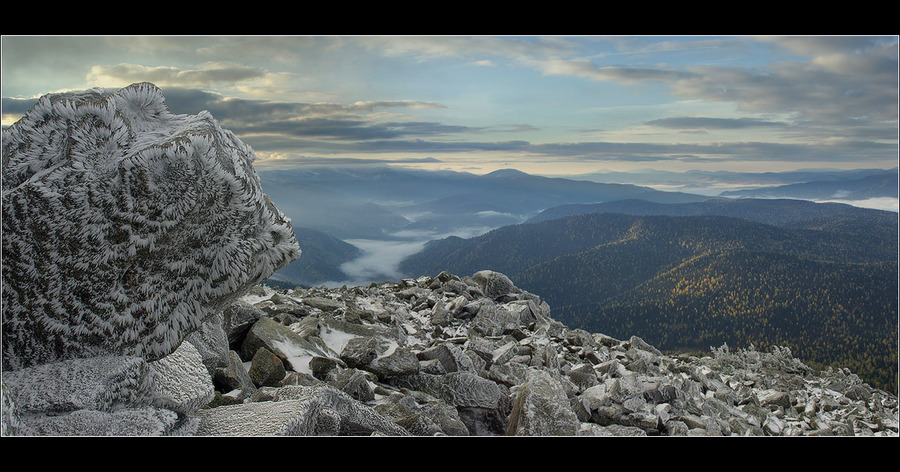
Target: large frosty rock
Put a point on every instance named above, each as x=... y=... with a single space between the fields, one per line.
x=427 y=416
x=498 y=319
x=125 y=226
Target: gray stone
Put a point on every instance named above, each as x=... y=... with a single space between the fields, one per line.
x=234 y=376
x=143 y=421
x=211 y=342
x=451 y=358
x=460 y=389
x=509 y=374
x=494 y=284
x=238 y=318
x=399 y=362
x=321 y=303
x=360 y=352
x=498 y=319
x=440 y=315
x=353 y=382
x=774 y=397
x=583 y=375
x=591 y=429
x=504 y=353
x=266 y=369
x=10 y=423
x=294 y=350
x=432 y=417
x=321 y=366
x=638 y=343
x=541 y=408
x=300 y=378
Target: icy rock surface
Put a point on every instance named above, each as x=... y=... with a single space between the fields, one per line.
x=125 y=226
x=108 y=395
x=298 y=411
x=101 y=383
x=183 y=384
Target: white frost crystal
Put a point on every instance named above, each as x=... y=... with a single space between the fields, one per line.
x=125 y=226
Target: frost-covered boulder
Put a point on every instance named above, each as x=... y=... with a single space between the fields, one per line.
x=10 y=424
x=423 y=415
x=182 y=382
x=117 y=396
x=298 y=411
x=125 y=226
x=101 y=383
x=143 y=421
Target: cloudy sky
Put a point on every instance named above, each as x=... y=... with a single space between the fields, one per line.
x=550 y=105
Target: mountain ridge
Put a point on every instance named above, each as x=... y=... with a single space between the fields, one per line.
x=883 y=184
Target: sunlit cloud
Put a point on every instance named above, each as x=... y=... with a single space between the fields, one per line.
x=212 y=73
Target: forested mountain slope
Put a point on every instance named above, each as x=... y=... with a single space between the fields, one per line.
x=825 y=287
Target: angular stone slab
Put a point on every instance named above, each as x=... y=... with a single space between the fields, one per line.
x=542 y=408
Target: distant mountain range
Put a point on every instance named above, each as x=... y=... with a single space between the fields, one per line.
x=386 y=202
x=715 y=183
x=884 y=184
x=821 y=279
x=380 y=203
x=328 y=205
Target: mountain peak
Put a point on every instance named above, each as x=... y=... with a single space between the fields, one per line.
x=507 y=173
